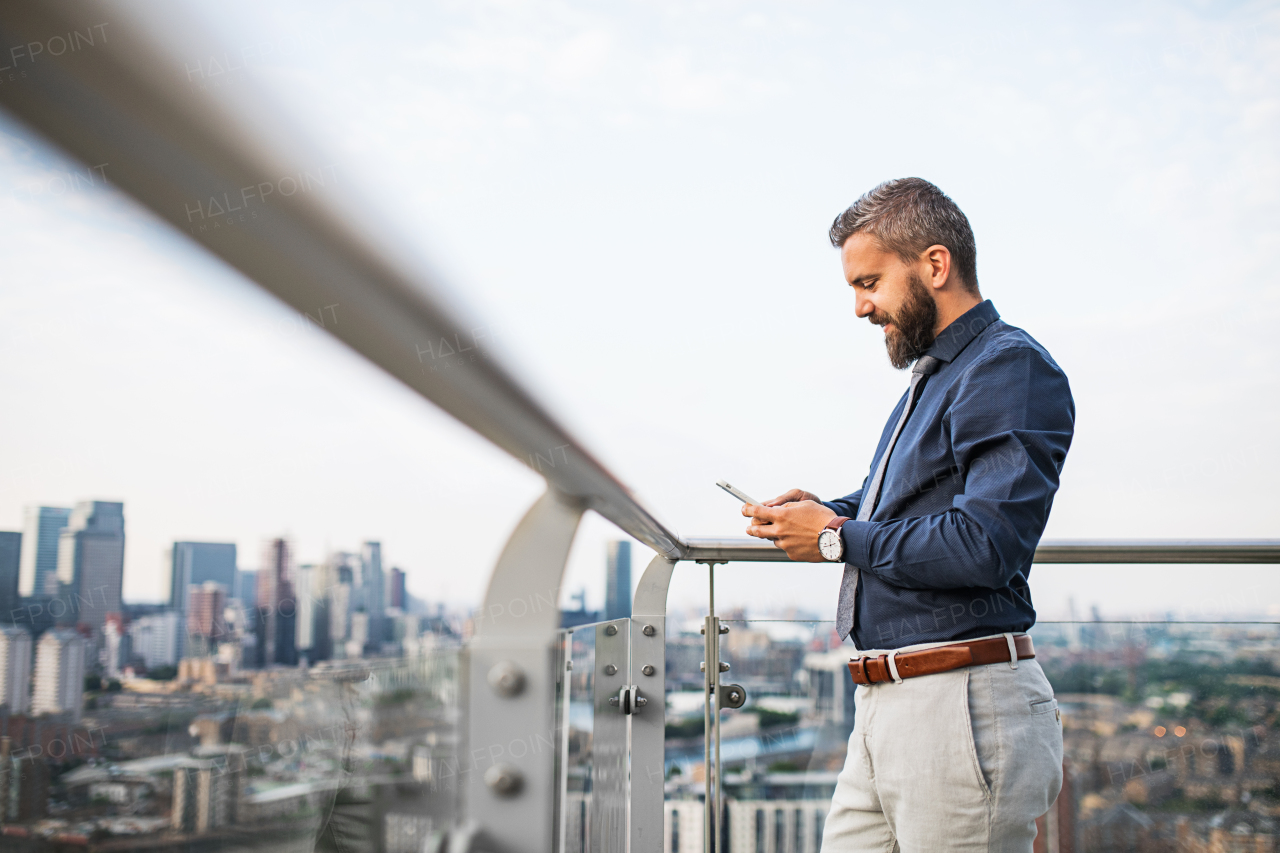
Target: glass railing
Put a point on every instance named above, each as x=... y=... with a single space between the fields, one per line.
x=1171 y=732
x=255 y=759
x=780 y=752
x=595 y=733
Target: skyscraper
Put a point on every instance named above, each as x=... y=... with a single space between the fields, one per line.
x=15 y=670
x=194 y=563
x=276 y=601
x=91 y=561
x=245 y=589
x=38 y=572
x=59 y=681
x=10 y=560
x=304 y=591
x=397 y=597
x=374 y=589
x=617 y=580
x=157 y=638
x=205 y=606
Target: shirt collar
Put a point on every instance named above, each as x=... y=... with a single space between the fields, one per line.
x=955 y=337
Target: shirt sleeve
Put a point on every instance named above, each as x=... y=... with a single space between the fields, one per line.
x=1011 y=424
x=847 y=505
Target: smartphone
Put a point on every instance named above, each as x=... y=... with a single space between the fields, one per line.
x=742 y=496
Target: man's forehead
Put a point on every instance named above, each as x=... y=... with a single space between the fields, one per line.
x=862 y=256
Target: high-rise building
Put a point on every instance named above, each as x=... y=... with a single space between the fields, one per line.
x=59 y=679
x=24 y=784
x=304 y=594
x=10 y=562
x=246 y=588
x=38 y=573
x=205 y=793
x=205 y=606
x=91 y=562
x=15 y=670
x=397 y=597
x=276 y=601
x=117 y=645
x=374 y=592
x=340 y=612
x=359 y=634
x=157 y=638
x=196 y=563
x=617 y=580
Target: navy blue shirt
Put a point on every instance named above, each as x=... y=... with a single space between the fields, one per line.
x=947 y=553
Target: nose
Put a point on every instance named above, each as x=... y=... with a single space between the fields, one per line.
x=862 y=306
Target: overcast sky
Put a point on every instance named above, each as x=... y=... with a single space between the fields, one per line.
x=633 y=200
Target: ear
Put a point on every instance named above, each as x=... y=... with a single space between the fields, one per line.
x=936 y=261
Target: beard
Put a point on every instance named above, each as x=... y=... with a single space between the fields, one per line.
x=913 y=325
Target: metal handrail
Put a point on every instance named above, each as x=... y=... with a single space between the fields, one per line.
x=1075 y=551
x=127 y=101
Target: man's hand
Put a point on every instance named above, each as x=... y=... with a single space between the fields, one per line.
x=793 y=522
x=793 y=496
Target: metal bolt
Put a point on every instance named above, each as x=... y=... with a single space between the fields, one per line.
x=649 y=630
x=703 y=630
x=702 y=666
x=641 y=701
x=507 y=679
x=610 y=630
x=568 y=664
x=648 y=669
x=724 y=667
x=610 y=669
x=504 y=780
x=724 y=629
x=734 y=695
x=613 y=700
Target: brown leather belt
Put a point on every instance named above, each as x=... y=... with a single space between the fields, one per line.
x=867 y=670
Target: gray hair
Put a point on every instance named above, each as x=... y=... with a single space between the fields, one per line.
x=907 y=216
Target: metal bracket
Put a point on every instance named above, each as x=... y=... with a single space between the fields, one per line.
x=731 y=696
x=629 y=701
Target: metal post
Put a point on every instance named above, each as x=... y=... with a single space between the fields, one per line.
x=508 y=766
x=648 y=727
x=713 y=779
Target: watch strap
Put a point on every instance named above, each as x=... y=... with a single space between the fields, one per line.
x=836 y=523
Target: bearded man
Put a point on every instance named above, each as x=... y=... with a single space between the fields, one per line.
x=957 y=741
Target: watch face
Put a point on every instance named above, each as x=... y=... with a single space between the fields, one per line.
x=829 y=545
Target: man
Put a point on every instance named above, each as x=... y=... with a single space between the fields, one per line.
x=957 y=742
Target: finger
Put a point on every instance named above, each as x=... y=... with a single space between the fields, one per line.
x=765 y=514
x=783 y=498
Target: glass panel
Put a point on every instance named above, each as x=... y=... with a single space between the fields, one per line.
x=262 y=759
x=575 y=822
x=1168 y=727
x=1165 y=724
x=595 y=764
x=782 y=751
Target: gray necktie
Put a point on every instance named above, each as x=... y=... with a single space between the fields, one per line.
x=849 y=584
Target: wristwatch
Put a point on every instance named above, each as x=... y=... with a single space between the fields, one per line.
x=829 y=542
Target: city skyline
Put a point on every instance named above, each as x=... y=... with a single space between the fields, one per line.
x=250 y=560
x=336 y=452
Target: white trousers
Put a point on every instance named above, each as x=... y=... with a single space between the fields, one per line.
x=958 y=761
